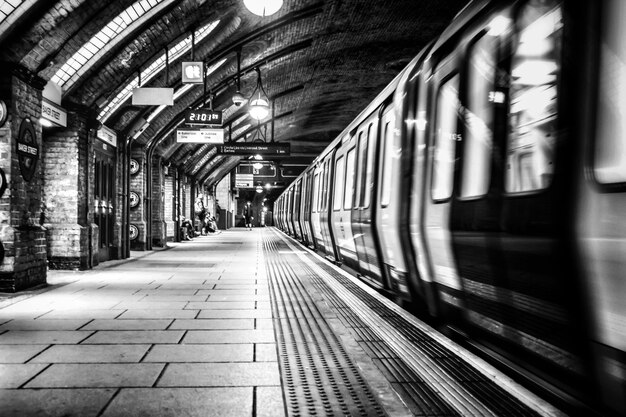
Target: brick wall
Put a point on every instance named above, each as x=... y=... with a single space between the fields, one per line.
x=65 y=196
x=158 y=200
x=169 y=212
x=137 y=217
x=23 y=239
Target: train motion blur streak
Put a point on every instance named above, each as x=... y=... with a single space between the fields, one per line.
x=487 y=184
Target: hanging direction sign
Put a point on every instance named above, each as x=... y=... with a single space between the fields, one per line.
x=252 y=148
x=203 y=117
x=244 y=180
x=200 y=136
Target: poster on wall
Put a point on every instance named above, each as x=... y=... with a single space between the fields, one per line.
x=27 y=149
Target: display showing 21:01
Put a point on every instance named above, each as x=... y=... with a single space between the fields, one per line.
x=200 y=116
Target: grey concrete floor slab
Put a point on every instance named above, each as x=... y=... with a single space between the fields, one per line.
x=128 y=324
x=201 y=353
x=229 y=336
x=19 y=353
x=97 y=375
x=14 y=375
x=177 y=402
x=69 y=324
x=92 y=354
x=212 y=324
x=220 y=374
x=42 y=337
x=53 y=402
x=235 y=314
x=135 y=336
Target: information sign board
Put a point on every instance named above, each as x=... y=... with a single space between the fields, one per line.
x=200 y=136
x=244 y=180
x=253 y=148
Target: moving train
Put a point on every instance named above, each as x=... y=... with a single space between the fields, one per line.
x=486 y=184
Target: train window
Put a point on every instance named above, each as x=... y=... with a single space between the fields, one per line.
x=361 y=167
x=339 y=171
x=369 y=173
x=533 y=97
x=610 y=152
x=446 y=136
x=325 y=187
x=478 y=118
x=347 y=197
x=388 y=162
x=316 y=190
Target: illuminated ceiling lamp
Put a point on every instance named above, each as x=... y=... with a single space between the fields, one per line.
x=257 y=165
x=259 y=107
x=263 y=7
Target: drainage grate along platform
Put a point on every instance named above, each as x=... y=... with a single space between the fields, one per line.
x=319 y=377
x=403 y=351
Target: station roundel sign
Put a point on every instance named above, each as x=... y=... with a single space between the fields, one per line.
x=27 y=149
x=134 y=166
x=3 y=113
x=134 y=232
x=3 y=182
x=134 y=199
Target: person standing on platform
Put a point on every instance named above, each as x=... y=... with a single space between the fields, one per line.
x=201 y=213
x=247 y=215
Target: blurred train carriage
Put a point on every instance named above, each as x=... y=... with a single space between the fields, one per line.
x=487 y=185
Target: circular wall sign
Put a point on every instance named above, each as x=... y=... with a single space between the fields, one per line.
x=134 y=199
x=3 y=113
x=27 y=149
x=134 y=232
x=134 y=166
x=3 y=182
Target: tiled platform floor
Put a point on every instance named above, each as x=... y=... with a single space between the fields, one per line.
x=179 y=332
x=193 y=330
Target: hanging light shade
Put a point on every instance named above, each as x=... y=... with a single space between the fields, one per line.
x=259 y=109
x=263 y=7
x=257 y=165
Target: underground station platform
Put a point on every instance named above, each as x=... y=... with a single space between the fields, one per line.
x=239 y=323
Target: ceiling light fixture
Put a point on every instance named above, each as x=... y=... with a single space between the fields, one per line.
x=263 y=7
x=259 y=107
x=238 y=98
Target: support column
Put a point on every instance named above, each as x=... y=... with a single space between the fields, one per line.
x=169 y=205
x=138 y=222
x=22 y=239
x=159 y=237
x=69 y=230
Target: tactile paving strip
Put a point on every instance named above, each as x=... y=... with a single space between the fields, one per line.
x=425 y=401
x=319 y=377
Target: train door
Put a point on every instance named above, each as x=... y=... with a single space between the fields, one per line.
x=104 y=199
x=388 y=210
x=289 y=211
x=363 y=210
x=316 y=226
x=305 y=212
x=600 y=225
x=441 y=151
x=297 y=202
x=326 y=206
x=510 y=223
x=343 y=188
x=420 y=190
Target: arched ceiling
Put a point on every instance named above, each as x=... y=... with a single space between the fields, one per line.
x=321 y=61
